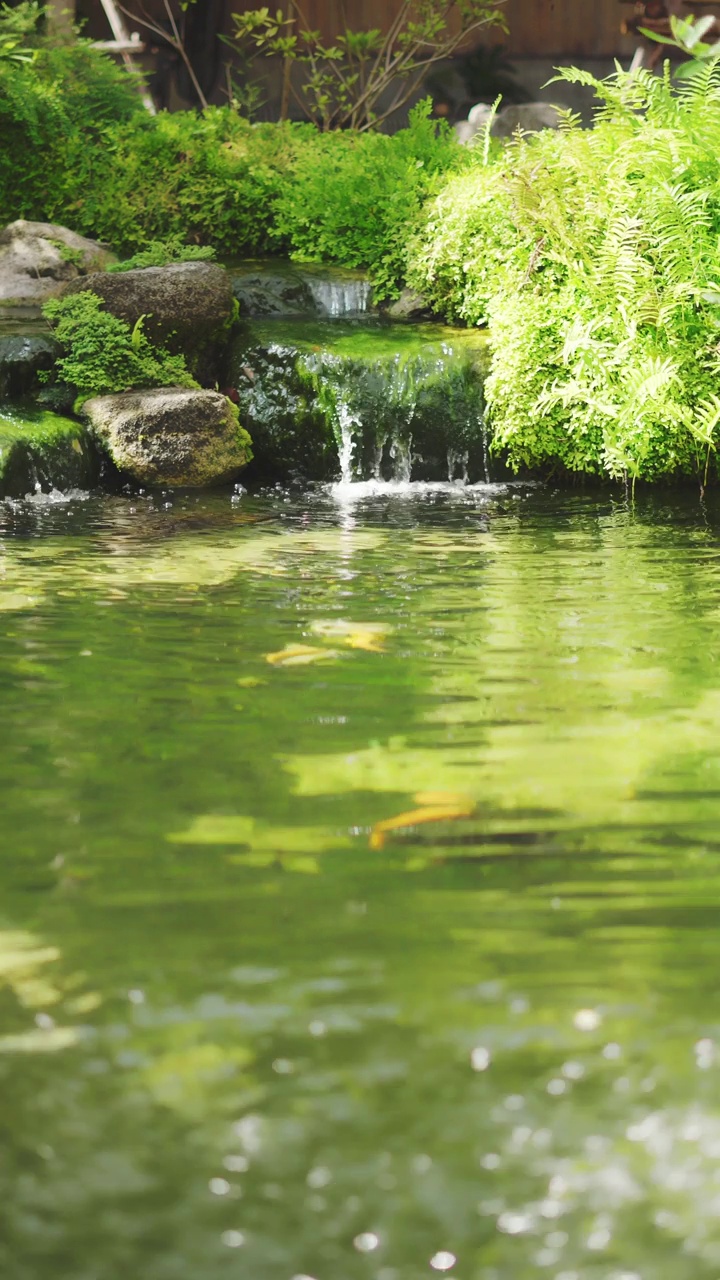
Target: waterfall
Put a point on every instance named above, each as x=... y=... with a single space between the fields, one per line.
x=346 y=447
x=338 y=298
x=401 y=454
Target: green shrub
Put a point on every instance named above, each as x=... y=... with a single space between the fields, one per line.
x=211 y=179
x=161 y=253
x=55 y=103
x=597 y=264
x=103 y=354
x=354 y=199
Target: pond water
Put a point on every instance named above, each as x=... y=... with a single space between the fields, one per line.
x=360 y=886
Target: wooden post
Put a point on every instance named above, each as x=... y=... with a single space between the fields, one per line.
x=60 y=16
x=122 y=43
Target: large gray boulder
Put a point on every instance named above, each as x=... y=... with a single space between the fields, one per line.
x=186 y=305
x=170 y=436
x=37 y=259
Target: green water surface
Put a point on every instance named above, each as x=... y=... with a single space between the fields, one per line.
x=245 y=1032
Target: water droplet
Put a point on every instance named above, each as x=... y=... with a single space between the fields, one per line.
x=556 y=1086
x=587 y=1019
x=136 y=996
x=233 y=1239
x=480 y=1058
x=219 y=1186
x=283 y=1067
x=319 y=1177
x=514 y=1224
x=236 y=1164
x=443 y=1261
x=366 y=1242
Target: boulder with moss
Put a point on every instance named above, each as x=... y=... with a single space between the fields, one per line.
x=38 y=259
x=171 y=436
x=188 y=307
x=41 y=450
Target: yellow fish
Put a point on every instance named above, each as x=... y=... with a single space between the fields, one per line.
x=299 y=655
x=427 y=813
x=356 y=635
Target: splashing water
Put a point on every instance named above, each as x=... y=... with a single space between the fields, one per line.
x=346 y=448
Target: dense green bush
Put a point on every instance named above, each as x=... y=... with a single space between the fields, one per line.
x=595 y=257
x=211 y=179
x=57 y=101
x=354 y=199
x=103 y=354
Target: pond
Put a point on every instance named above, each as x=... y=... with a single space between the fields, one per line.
x=360 y=886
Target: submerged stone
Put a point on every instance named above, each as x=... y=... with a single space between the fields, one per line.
x=41 y=450
x=171 y=436
x=362 y=401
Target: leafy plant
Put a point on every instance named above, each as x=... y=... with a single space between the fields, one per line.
x=355 y=198
x=161 y=253
x=594 y=257
x=687 y=36
x=364 y=76
x=104 y=354
x=18 y=29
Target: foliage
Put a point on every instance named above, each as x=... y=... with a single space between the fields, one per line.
x=57 y=101
x=212 y=179
x=365 y=76
x=161 y=253
x=104 y=354
x=355 y=197
x=18 y=29
x=687 y=36
x=594 y=256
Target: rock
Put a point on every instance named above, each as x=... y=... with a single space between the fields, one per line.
x=283 y=289
x=465 y=132
x=529 y=117
x=270 y=291
x=22 y=358
x=186 y=305
x=42 y=450
x=409 y=306
x=170 y=436
x=38 y=258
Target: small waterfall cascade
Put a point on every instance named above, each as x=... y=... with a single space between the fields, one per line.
x=339 y=297
x=365 y=401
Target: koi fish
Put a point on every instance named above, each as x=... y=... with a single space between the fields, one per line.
x=415 y=817
x=299 y=655
x=356 y=635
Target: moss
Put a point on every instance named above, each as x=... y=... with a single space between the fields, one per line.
x=41 y=448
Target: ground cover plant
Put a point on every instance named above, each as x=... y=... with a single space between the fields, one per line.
x=103 y=354
x=594 y=257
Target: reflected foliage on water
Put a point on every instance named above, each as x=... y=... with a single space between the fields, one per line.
x=392 y=964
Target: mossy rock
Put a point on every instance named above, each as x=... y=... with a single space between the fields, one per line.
x=39 y=449
x=171 y=436
x=401 y=390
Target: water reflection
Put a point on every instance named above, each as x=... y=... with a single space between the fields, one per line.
x=240 y=1037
